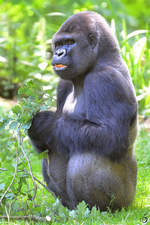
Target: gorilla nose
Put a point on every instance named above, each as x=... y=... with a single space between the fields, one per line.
x=61 y=52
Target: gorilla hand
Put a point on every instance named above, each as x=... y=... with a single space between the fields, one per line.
x=40 y=130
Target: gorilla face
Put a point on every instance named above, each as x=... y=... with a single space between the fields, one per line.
x=74 y=51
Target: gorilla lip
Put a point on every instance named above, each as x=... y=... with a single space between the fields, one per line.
x=60 y=66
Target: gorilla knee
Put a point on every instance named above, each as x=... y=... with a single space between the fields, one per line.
x=91 y=180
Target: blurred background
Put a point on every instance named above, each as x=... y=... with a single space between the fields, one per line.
x=27 y=26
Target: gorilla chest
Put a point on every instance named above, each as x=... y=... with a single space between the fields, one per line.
x=75 y=105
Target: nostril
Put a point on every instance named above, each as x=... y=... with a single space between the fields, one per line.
x=61 y=52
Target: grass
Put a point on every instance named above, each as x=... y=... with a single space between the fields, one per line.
x=18 y=200
x=135 y=51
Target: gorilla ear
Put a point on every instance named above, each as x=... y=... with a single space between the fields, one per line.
x=92 y=39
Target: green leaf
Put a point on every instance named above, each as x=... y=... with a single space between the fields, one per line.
x=2 y=186
x=9 y=195
x=17 y=109
x=26 y=126
x=14 y=125
x=43 y=155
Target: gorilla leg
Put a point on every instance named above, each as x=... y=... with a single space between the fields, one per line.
x=54 y=173
x=100 y=182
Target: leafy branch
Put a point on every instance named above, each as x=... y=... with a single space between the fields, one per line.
x=31 y=99
x=15 y=173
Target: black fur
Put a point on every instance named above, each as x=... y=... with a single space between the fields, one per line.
x=96 y=110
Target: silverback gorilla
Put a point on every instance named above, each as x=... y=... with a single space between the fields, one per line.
x=90 y=138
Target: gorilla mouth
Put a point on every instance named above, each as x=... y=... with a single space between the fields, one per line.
x=60 y=66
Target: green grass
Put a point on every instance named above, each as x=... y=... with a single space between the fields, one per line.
x=18 y=201
x=135 y=52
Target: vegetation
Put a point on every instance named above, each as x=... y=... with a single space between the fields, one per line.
x=26 y=28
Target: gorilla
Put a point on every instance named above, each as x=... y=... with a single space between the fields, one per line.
x=90 y=138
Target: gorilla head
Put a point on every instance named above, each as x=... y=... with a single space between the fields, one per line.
x=80 y=42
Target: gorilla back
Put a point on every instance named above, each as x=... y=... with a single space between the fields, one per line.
x=90 y=138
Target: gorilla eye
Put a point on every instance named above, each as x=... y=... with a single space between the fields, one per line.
x=58 y=44
x=64 y=42
x=69 y=42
